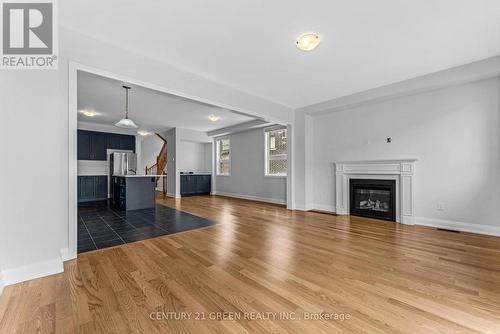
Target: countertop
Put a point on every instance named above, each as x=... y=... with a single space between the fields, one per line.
x=140 y=175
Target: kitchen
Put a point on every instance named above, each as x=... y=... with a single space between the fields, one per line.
x=107 y=166
x=127 y=156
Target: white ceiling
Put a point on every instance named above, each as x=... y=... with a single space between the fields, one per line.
x=250 y=44
x=152 y=110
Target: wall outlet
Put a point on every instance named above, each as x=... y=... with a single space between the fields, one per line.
x=440 y=206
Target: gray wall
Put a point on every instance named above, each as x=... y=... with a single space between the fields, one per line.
x=150 y=149
x=170 y=136
x=192 y=157
x=454 y=134
x=247 y=178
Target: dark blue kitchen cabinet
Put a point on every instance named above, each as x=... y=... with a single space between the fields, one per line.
x=114 y=141
x=98 y=146
x=83 y=145
x=195 y=184
x=92 y=188
x=93 y=145
x=127 y=143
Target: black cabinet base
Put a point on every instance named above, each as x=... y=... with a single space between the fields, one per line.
x=192 y=185
x=92 y=188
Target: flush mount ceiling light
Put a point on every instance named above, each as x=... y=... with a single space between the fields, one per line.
x=308 y=42
x=88 y=112
x=126 y=122
x=214 y=118
x=143 y=133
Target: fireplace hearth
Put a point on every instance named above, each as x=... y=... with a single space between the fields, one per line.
x=373 y=198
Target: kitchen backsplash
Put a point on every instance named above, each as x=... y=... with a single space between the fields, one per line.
x=91 y=167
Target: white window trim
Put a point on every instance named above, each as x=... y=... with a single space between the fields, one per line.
x=217 y=173
x=267 y=158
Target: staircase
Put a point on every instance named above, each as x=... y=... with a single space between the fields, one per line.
x=161 y=164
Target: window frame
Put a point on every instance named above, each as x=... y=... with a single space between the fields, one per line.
x=268 y=158
x=218 y=160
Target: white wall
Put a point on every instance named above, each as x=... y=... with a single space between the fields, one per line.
x=33 y=187
x=192 y=157
x=454 y=132
x=208 y=155
x=193 y=136
x=183 y=154
x=150 y=149
x=173 y=186
x=193 y=151
x=2 y=285
x=247 y=178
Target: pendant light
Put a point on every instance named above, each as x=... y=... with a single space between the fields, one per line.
x=126 y=122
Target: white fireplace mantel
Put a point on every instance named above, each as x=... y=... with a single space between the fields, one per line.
x=403 y=171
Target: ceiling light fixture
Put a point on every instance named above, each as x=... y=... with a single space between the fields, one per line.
x=214 y=118
x=88 y=113
x=143 y=133
x=308 y=42
x=126 y=122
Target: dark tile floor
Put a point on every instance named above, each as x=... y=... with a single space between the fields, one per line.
x=100 y=226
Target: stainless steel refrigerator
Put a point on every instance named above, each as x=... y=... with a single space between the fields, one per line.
x=122 y=164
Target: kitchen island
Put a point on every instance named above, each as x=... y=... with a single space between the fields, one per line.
x=134 y=192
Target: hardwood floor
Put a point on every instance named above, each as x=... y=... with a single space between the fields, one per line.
x=380 y=276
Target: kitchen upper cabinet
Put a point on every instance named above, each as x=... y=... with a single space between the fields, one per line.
x=93 y=145
x=128 y=143
x=98 y=146
x=114 y=141
x=83 y=145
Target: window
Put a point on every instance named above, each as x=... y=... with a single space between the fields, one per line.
x=223 y=156
x=276 y=152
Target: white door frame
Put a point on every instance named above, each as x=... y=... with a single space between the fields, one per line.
x=74 y=67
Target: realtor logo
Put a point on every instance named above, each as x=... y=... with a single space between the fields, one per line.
x=28 y=35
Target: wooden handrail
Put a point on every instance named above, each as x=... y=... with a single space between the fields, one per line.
x=161 y=137
x=161 y=161
x=148 y=169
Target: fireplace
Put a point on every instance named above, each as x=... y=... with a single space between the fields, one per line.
x=373 y=198
x=401 y=171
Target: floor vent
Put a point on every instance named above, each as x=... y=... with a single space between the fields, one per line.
x=447 y=230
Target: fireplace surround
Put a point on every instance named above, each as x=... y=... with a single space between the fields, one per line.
x=401 y=171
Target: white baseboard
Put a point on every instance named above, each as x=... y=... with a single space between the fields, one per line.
x=324 y=207
x=299 y=207
x=32 y=271
x=458 y=226
x=252 y=198
x=67 y=255
x=173 y=195
x=1 y=283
